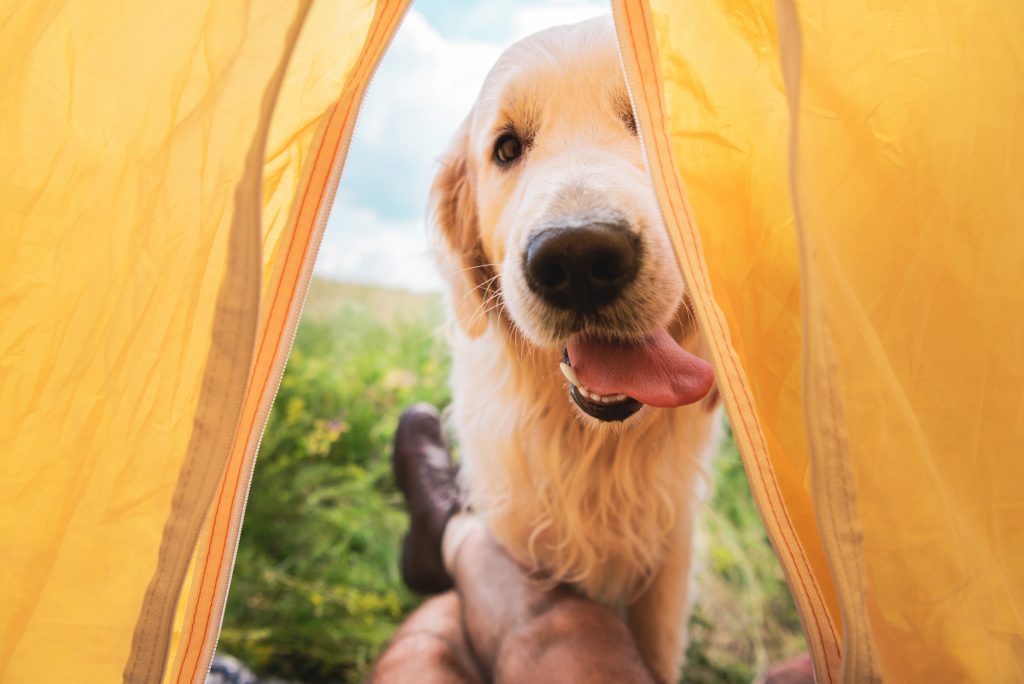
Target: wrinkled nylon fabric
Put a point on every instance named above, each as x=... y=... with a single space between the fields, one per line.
x=116 y=215
x=340 y=45
x=123 y=142
x=727 y=122
x=907 y=178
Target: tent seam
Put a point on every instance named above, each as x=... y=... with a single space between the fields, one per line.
x=717 y=337
x=372 y=45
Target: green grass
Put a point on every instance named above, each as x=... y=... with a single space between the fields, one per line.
x=316 y=592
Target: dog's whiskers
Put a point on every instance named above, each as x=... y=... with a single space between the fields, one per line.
x=484 y=288
x=691 y=318
x=471 y=268
x=490 y=302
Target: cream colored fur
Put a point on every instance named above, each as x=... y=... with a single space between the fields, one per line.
x=608 y=507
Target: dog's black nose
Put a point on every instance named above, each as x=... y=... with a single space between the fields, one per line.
x=582 y=268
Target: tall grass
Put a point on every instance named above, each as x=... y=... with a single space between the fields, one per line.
x=316 y=591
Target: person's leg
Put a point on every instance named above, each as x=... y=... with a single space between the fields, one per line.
x=430 y=647
x=521 y=632
x=518 y=631
x=500 y=621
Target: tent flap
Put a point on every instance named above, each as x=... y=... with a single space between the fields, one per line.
x=166 y=171
x=852 y=236
x=912 y=228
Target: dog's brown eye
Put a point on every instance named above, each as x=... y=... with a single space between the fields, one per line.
x=508 y=148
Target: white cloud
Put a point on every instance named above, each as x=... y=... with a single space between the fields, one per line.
x=504 y=21
x=532 y=18
x=421 y=92
x=423 y=89
x=426 y=79
x=360 y=246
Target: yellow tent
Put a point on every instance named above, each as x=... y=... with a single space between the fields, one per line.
x=852 y=228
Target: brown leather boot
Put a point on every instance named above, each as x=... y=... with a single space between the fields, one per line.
x=425 y=474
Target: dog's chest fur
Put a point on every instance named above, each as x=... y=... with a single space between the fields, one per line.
x=593 y=506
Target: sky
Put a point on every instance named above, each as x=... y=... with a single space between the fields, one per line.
x=423 y=89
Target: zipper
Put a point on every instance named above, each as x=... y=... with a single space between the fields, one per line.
x=773 y=535
x=616 y=22
x=211 y=640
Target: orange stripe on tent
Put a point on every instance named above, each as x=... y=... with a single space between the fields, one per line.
x=735 y=388
x=281 y=321
x=719 y=338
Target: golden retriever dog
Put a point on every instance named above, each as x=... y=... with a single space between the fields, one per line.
x=580 y=396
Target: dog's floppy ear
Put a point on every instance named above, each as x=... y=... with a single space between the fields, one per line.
x=458 y=247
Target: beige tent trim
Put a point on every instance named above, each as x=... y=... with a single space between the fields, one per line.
x=832 y=478
x=636 y=42
x=221 y=401
x=215 y=553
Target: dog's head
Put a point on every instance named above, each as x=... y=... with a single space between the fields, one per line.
x=549 y=220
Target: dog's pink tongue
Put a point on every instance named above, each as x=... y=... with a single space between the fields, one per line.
x=654 y=371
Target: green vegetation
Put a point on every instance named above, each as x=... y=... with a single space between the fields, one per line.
x=744 y=617
x=316 y=591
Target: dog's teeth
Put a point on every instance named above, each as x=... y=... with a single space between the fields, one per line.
x=569 y=374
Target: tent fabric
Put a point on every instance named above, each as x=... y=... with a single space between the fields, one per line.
x=319 y=143
x=167 y=170
x=912 y=230
x=870 y=341
x=841 y=183
x=708 y=91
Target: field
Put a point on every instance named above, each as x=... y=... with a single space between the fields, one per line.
x=316 y=591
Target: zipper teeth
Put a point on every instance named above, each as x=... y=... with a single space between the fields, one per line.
x=629 y=90
x=307 y=273
x=773 y=535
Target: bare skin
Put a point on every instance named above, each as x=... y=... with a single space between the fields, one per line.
x=502 y=626
x=430 y=648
